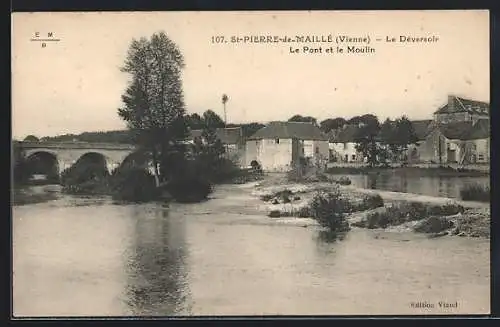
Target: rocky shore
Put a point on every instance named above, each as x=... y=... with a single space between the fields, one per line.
x=432 y=216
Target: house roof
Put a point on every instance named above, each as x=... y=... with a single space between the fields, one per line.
x=421 y=128
x=345 y=135
x=288 y=130
x=465 y=105
x=456 y=131
x=480 y=130
x=231 y=135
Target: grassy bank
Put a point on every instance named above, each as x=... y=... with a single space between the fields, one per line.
x=475 y=192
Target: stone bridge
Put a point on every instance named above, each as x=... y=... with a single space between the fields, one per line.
x=66 y=154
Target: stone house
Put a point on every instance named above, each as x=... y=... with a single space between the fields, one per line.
x=460 y=142
x=459 y=109
x=232 y=139
x=477 y=143
x=421 y=128
x=280 y=145
x=342 y=145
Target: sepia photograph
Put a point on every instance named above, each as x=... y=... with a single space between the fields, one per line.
x=250 y=163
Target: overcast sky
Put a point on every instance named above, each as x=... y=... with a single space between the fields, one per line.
x=75 y=85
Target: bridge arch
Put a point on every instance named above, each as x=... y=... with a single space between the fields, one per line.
x=44 y=163
x=98 y=158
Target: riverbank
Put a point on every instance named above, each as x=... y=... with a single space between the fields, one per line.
x=411 y=170
x=435 y=216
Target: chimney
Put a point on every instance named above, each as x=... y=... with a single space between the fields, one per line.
x=451 y=103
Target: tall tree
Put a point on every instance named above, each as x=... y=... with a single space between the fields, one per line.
x=225 y=99
x=210 y=118
x=403 y=135
x=366 y=138
x=194 y=121
x=331 y=124
x=31 y=138
x=367 y=119
x=153 y=103
x=305 y=119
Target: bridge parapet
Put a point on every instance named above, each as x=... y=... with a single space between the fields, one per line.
x=76 y=145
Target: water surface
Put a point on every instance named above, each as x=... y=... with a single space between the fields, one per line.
x=78 y=257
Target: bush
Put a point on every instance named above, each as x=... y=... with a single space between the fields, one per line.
x=475 y=192
x=283 y=195
x=328 y=209
x=344 y=181
x=391 y=216
x=433 y=225
x=189 y=189
x=133 y=185
x=367 y=202
x=274 y=214
x=304 y=212
x=406 y=212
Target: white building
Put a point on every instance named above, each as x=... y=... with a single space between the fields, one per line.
x=280 y=145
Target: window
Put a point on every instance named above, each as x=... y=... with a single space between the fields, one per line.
x=353 y=157
x=316 y=150
x=480 y=157
x=277 y=141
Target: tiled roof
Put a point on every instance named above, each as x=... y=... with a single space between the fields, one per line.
x=288 y=130
x=231 y=135
x=456 y=131
x=480 y=130
x=465 y=105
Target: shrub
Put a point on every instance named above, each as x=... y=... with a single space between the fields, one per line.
x=304 y=212
x=329 y=210
x=475 y=192
x=448 y=209
x=390 y=216
x=367 y=202
x=344 y=181
x=189 y=189
x=433 y=225
x=133 y=185
x=405 y=212
x=283 y=195
x=274 y=214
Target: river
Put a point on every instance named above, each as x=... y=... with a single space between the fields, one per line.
x=408 y=182
x=79 y=257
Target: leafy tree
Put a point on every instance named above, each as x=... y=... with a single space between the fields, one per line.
x=366 y=138
x=153 y=103
x=367 y=119
x=305 y=119
x=31 y=138
x=194 y=121
x=331 y=124
x=398 y=134
x=210 y=118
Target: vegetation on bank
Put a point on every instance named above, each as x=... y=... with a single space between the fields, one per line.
x=475 y=192
x=397 y=214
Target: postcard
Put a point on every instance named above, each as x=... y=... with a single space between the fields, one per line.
x=259 y=163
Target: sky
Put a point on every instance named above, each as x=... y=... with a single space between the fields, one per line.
x=75 y=85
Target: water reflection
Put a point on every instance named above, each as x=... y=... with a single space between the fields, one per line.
x=157 y=276
x=328 y=236
x=444 y=186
